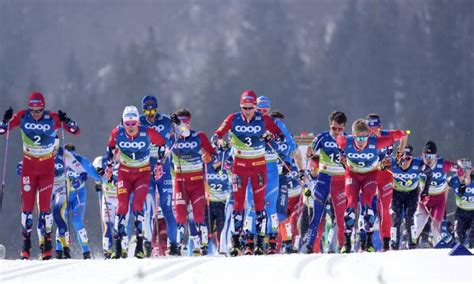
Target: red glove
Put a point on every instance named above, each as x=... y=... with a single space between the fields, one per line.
x=424 y=199
x=108 y=173
x=158 y=171
x=460 y=172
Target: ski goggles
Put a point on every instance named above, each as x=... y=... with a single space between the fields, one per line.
x=335 y=128
x=131 y=123
x=361 y=138
x=263 y=110
x=429 y=156
x=150 y=111
x=247 y=108
x=36 y=110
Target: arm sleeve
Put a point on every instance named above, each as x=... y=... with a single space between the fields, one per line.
x=111 y=146
x=14 y=122
x=89 y=168
x=225 y=126
x=384 y=141
x=206 y=144
x=397 y=134
x=155 y=137
x=316 y=143
x=271 y=125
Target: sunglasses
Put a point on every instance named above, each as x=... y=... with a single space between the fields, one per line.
x=131 y=123
x=361 y=138
x=149 y=111
x=430 y=156
x=335 y=128
x=248 y=108
x=36 y=110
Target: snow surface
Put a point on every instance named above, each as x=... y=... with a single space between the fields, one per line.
x=414 y=266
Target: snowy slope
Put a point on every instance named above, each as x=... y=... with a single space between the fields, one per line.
x=416 y=266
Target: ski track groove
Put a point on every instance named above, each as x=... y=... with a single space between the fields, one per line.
x=305 y=262
x=35 y=270
x=153 y=270
x=185 y=268
x=18 y=269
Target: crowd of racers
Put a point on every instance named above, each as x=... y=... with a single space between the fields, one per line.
x=248 y=190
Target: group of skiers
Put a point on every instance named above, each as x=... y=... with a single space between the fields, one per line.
x=248 y=190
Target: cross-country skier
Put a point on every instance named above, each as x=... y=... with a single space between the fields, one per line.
x=192 y=149
x=405 y=195
x=247 y=128
x=463 y=188
x=384 y=178
x=433 y=205
x=163 y=124
x=133 y=142
x=330 y=179
x=362 y=159
x=39 y=129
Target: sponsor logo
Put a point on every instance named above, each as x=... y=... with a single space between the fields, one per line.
x=437 y=175
x=158 y=128
x=217 y=177
x=249 y=129
x=58 y=166
x=134 y=144
x=360 y=155
x=26 y=187
x=282 y=147
x=183 y=145
x=406 y=176
x=26 y=180
x=469 y=189
x=329 y=144
x=122 y=190
x=35 y=126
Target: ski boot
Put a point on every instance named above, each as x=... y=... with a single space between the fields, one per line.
x=288 y=246
x=86 y=255
x=272 y=245
x=139 y=253
x=204 y=250
x=249 y=245
x=148 y=248
x=46 y=248
x=369 y=246
x=59 y=254
x=66 y=253
x=386 y=244
x=347 y=244
x=235 y=250
x=25 y=251
x=119 y=251
x=259 y=248
x=363 y=245
x=107 y=254
x=174 y=249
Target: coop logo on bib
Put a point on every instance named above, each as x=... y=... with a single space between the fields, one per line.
x=249 y=129
x=134 y=145
x=35 y=126
x=360 y=155
x=329 y=144
x=184 y=145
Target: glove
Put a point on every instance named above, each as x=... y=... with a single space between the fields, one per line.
x=286 y=168
x=76 y=183
x=307 y=192
x=223 y=146
x=214 y=139
x=424 y=198
x=8 y=115
x=281 y=138
x=100 y=171
x=158 y=171
x=462 y=188
x=175 y=119
x=385 y=164
x=301 y=174
x=63 y=117
x=98 y=187
x=460 y=172
x=19 y=169
x=266 y=137
x=399 y=157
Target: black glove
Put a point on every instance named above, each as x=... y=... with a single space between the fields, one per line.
x=100 y=171
x=175 y=119
x=462 y=188
x=224 y=146
x=63 y=116
x=8 y=115
x=286 y=168
x=266 y=137
x=98 y=187
x=307 y=192
x=281 y=138
x=301 y=174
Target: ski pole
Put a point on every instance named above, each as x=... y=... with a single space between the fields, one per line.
x=208 y=196
x=4 y=166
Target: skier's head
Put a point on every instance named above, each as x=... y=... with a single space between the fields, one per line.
x=130 y=119
x=150 y=106
x=466 y=166
x=36 y=105
x=407 y=156
x=429 y=153
x=337 y=122
x=184 y=116
x=248 y=100
x=375 y=124
x=360 y=131
x=263 y=104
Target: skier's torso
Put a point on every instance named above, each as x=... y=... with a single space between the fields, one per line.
x=329 y=154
